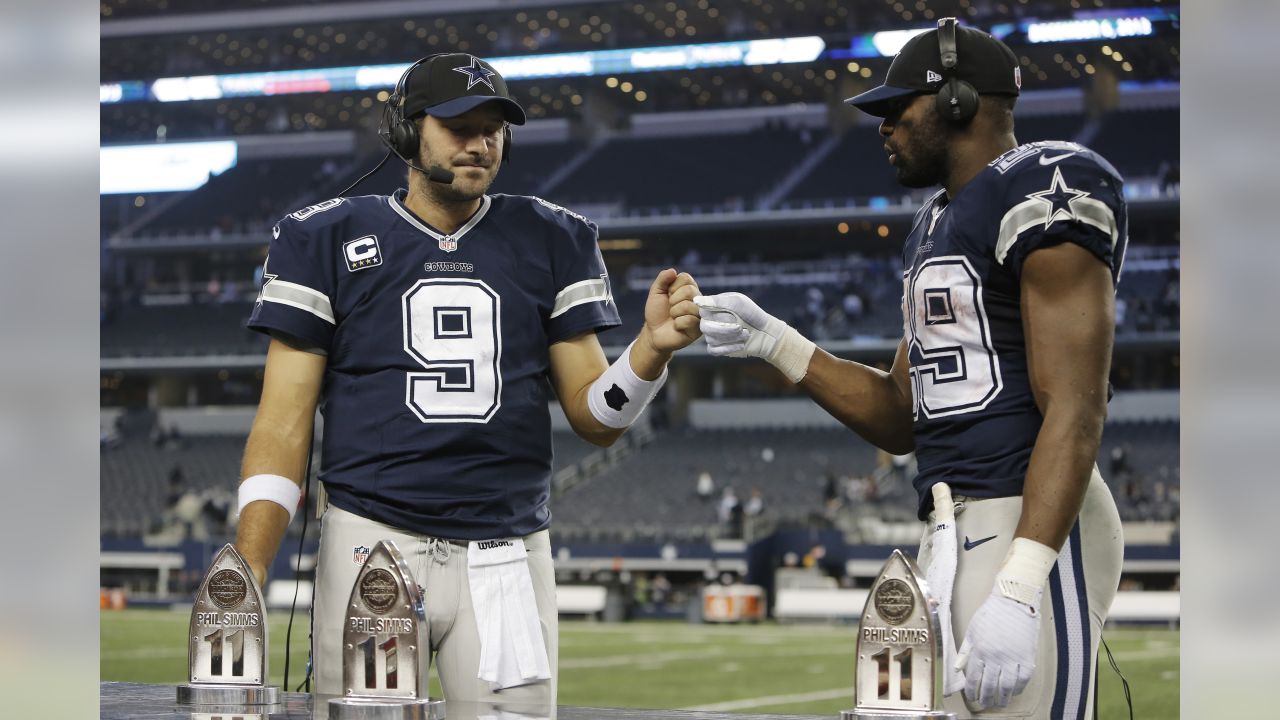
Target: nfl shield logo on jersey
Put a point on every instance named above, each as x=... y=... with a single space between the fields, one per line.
x=448 y=244
x=360 y=554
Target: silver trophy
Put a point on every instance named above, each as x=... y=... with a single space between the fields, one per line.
x=383 y=640
x=899 y=667
x=227 y=638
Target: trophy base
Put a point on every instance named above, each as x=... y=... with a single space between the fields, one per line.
x=356 y=708
x=228 y=695
x=877 y=714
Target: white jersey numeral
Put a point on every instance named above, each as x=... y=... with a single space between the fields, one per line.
x=954 y=366
x=453 y=329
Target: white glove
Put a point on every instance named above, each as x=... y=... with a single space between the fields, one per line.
x=941 y=576
x=998 y=654
x=735 y=326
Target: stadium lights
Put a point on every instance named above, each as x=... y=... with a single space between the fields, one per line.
x=599 y=62
x=162 y=167
x=1084 y=26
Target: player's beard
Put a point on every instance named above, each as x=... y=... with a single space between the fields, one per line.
x=923 y=162
x=462 y=189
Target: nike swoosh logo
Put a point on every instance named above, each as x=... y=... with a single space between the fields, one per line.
x=971 y=545
x=1046 y=160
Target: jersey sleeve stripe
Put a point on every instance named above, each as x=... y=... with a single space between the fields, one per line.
x=1031 y=213
x=580 y=293
x=299 y=296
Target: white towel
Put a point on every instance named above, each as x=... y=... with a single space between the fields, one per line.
x=941 y=577
x=512 y=651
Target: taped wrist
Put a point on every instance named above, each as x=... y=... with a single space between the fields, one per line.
x=791 y=354
x=273 y=488
x=618 y=396
x=1026 y=567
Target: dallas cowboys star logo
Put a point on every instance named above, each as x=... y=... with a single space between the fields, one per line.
x=266 y=277
x=1059 y=198
x=476 y=73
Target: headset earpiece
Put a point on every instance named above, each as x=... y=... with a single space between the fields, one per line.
x=506 y=143
x=957 y=100
x=404 y=132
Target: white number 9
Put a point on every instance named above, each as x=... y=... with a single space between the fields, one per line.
x=453 y=329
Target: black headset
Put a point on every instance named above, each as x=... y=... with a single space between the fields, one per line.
x=400 y=134
x=957 y=100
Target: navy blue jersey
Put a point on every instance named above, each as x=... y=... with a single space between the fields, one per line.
x=975 y=419
x=436 y=389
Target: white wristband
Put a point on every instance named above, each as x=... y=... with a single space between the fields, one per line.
x=1026 y=567
x=275 y=488
x=618 y=396
x=791 y=354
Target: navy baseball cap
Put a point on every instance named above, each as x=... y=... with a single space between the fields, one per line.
x=450 y=84
x=983 y=61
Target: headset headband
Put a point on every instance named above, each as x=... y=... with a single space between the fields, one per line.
x=947 y=43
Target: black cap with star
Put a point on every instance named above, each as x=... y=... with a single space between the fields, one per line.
x=451 y=84
x=983 y=61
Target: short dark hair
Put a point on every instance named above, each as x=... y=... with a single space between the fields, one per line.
x=1000 y=107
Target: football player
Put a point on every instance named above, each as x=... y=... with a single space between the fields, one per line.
x=999 y=384
x=431 y=328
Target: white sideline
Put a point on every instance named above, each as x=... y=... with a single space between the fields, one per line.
x=767 y=700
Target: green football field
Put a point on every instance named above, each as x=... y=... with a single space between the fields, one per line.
x=778 y=669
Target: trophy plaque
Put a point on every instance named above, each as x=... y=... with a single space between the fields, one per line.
x=227 y=638
x=899 y=665
x=383 y=639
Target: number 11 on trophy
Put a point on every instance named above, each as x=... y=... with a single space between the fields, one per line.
x=227 y=645
x=899 y=657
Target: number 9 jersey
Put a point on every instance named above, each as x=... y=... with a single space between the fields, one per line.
x=436 y=390
x=975 y=418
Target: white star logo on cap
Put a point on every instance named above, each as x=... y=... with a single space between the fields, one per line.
x=476 y=73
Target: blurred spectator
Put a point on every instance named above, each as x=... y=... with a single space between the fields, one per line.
x=1144 y=319
x=755 y=503
x=728 y=501
x=1120 y=469
x=706 y=486
x=177 y=485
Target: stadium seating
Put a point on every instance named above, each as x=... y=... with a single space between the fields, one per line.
x=1139 y=142
x=856 y=168
x=702 y=172
x=135 y=473
x=189 y=329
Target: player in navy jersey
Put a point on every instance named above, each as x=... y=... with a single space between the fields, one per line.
x=432 y=328
x=999 y=385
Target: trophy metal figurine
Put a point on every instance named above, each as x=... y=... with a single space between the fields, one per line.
x=227 y=638
x=899 y=664
x=383 y=638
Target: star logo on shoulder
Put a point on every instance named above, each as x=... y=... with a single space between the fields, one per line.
x=266 y=280
x=1059 y=198
x=476 y=74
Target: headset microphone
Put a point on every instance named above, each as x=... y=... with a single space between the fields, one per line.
x=434 y=173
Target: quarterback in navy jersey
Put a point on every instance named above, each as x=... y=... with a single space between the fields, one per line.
x=999 y=385
x=432 y=328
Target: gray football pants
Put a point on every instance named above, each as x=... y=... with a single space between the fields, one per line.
x=440 y=567
x=1073 y=607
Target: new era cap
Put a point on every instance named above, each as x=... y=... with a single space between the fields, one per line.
x=983 y=61
x=451 y=84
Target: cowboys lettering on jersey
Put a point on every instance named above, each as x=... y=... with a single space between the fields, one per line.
x=436 y=389
x=975 y=418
